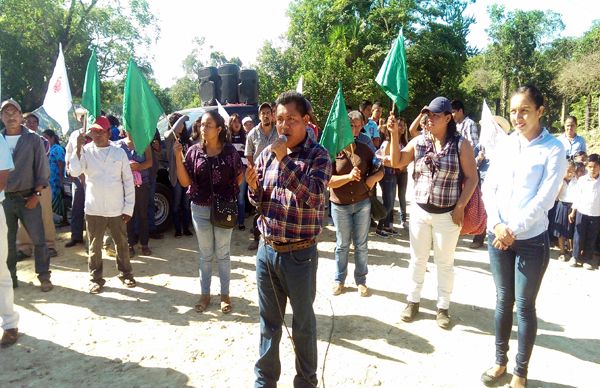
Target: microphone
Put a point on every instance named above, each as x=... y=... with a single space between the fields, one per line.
x=282 y=139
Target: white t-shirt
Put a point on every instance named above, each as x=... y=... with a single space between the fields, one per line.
x=12 y=141
x=6 y=162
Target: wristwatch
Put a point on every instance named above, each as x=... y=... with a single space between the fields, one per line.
x=37 y=193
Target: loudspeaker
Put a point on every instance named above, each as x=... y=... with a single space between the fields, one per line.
x=248 y=87
x=210 y=85
x=230 y=75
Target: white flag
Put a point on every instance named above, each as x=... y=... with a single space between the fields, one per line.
x=491 y=132
x=58 y=102
x=300 y=84
x=223 y=112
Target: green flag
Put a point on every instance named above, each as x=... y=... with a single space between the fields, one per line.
x=90 y=99
x=141 y=109
x=392 y=76
x=337 y=133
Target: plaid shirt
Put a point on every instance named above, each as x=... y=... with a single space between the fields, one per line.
x=437 y=174
x=468 y=130
x=291 y=194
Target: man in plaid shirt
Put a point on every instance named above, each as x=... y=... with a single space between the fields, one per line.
x=287 y=184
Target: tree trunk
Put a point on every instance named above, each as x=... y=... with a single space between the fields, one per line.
x=588 y=111
x=504 y=96
x=598 y=111
x=497 y=107
x=563 y=110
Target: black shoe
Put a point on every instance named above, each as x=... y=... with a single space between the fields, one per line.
x=72 y=243
x=241 y=227
x=52 y=252
x=156 y=236
x=177 y=234
x=22 y=256
x=187 y=232
x=410 y=312
x=443 y=319
x=491 y=380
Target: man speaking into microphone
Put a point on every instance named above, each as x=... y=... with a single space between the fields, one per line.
x=287 y=184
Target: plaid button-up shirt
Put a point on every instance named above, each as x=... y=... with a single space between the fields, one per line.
x=291 y=193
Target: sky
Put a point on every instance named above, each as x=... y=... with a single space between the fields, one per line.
x=239 y=28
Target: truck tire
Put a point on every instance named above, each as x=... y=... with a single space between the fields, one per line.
x=162 y=204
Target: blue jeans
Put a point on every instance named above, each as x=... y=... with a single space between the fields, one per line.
x=181 y=208
x=586 y=232
x=137 y=227
x=518 y=273
x=77 y=210
x=280 y=276
x=388 y=193
x=213 y=243
x=351 y=222
x=242 y=201
x=402 y=181
x=15 y=210
x=151 y=208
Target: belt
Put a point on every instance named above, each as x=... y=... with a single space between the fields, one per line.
x=19 y=194
x=290 y=246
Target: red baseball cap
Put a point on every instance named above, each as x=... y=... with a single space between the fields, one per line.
x=100 y=123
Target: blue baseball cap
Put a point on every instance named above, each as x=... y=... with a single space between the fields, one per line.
x=438 y=105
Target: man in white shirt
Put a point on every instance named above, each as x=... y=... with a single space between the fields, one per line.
x=10 y=318
x=109 y=199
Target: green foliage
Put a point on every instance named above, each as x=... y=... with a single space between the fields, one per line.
x=184 y=94
x=31 y=31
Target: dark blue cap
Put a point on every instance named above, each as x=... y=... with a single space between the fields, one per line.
x=438 y=105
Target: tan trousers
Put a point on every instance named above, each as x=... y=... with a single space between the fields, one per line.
x=96 y=226
x=24 y=243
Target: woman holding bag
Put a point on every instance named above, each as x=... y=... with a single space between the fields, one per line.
x=213 y=171
x=439 y=153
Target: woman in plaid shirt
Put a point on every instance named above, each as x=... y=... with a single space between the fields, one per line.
x=439 y=153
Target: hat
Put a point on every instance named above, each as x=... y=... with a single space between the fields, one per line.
x=263 y=105
x=247 y=119
x=101 y=123
x=12 y=102
x=503 y=123
x=438 y=105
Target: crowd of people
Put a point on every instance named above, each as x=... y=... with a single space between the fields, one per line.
x=536 y=187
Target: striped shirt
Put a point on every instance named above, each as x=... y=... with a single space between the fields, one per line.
x=437 y=174
x=291 y=193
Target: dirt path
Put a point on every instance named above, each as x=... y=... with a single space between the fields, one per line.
x=151 y=336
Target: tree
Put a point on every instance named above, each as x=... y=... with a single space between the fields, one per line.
x=31 y=31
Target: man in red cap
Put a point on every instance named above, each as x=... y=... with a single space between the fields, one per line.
x=109 y=199
x=23 y=191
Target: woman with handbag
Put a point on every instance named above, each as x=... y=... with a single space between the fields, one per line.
x=439 y=153
x=213 y=171
x=354 y=175
x=519 y=189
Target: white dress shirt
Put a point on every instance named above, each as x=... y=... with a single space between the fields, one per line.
x=109 y=190
x=587 y=199
x=522 y=183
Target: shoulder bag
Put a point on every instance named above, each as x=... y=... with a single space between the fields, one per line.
x=475 y=219
x=223 y=214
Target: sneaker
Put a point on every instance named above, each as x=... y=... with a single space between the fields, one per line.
x=381 y=233
x=588 y=266
x=46 y=285
x=253 y=245
x=338 y=288
x=574 y=263
x=363 y=290
x=9 y=337
x=410 y=312
x=442 y=318
x=391 y=232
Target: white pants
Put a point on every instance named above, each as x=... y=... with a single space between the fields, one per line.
x=10 y=318
x=424 y=228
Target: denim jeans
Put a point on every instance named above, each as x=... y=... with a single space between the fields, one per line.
x=213 y=243
x=77 y=210
x=280 y=276
x=351 y=222
x=151 y=213
x=15 y=210
x=586 y=232
x=388 y=193
x=242 y=201
x=518 y=273
x=401 y=181
x=181 y=208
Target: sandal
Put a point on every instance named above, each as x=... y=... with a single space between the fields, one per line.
x=203 y=303
x=95 y=288
x=128 y=282
x=225 y=304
